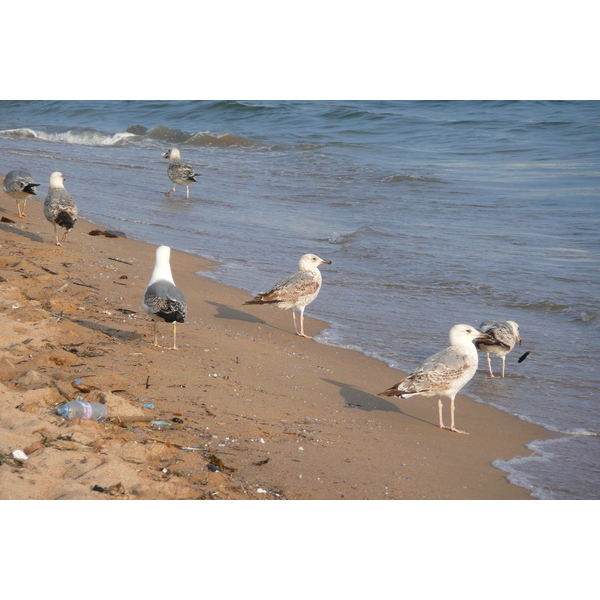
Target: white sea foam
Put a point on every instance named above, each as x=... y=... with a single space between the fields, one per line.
x=83 y=138
x=546 y=470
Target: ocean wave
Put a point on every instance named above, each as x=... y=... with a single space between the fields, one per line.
x=159 y=133
x=341 y=238
x=222 y=140
x=538 y=473
x=345 y=237
x=587 y=317
x=547 y=306
x=576 y=313
x=164 y=133
x=85 y=137
x=351 y=112
x=411 y=179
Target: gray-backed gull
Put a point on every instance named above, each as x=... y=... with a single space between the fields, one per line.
x=163 y=300
x=297 y=290
x=504 y=335
x=179 y=172
x=19 y=184
x=59 y=206
x=444 y=373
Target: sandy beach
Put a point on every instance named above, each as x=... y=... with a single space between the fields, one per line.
x=244 y=409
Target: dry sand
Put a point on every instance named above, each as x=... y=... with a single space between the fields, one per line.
x=260 y=413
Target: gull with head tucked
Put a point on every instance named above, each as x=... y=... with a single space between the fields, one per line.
x=179 y=172
x=444 y=374
x=19 y=184
x=59 y=206
x=296 y=291
x=163 y=300
x=503 y=337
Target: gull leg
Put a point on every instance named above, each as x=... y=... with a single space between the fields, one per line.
x=187 y=192
x=440 y=414
x=452 y=428
x=302 y=334
x=21 y=213
x=503 y=361
x=56 y=235
x=174 y=335
x=64 y=237
x=490 y=365
x=155 y=328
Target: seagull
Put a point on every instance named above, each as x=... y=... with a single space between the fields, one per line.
x=59 y=206
x=297 y=290
x=180 y=173
x=163 y=300
x=504 y=335
x=19 y=184
x=444 y=373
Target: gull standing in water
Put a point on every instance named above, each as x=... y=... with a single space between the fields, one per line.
x=163 y=300
x=59 y=206
x=297 y=290
x=19 y=184
x=503 y=337
x=180 y=173
x=444 y=373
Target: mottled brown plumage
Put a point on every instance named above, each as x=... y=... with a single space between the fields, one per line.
x=59 y=206
x=179 y=172
x=296 y=291
x=445 y=373
x=503 y=336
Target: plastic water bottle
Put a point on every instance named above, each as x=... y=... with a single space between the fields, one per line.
x=77 y=409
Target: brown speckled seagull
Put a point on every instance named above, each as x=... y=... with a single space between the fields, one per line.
x=504 y=336
x=59 y=206
x=296 y=291
x=179 y=172
x=444 y=373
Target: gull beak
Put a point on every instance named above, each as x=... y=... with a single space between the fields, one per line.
x=484 y=337
x=324 y=261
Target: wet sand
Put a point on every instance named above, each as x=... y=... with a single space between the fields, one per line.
x=260 y=413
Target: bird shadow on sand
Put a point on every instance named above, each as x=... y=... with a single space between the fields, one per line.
x=112 y=332
x=356 y=398
x=32 y=236
x=226 y=312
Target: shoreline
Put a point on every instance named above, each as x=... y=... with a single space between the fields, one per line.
x=265 y=414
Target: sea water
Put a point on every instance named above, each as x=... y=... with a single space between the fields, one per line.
x=432 y=213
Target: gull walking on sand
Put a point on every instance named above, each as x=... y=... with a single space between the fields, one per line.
x=163 y=300
x=444 y=373
x=19 y=184
x=503 y=335
x=296 y=291
x=59 y=206
x=179 y=172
